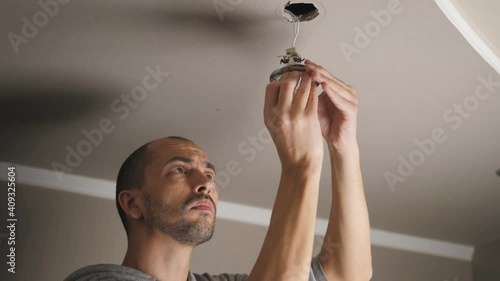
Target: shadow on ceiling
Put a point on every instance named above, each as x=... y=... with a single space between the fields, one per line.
x=190 y=17
x=31 y=99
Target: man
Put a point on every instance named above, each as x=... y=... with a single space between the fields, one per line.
x=167 y=200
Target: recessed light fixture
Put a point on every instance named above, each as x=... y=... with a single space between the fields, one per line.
x=295 y=13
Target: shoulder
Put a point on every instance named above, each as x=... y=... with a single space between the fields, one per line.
x=108 y=271
x=220 y=277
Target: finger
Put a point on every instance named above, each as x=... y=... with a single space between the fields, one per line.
x=287 y=88
x=302 y=95
x=347 y=94
x=314 y=67
x=271 y=98
x=338 y=100
x=312 y=103
x=311 y=66
x=284 y=76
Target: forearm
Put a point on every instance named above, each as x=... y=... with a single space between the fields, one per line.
x=287 y=249
x=349 y=225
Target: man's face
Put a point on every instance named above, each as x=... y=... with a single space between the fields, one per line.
x=173 y=189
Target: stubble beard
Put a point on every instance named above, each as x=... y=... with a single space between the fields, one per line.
x=186 y=232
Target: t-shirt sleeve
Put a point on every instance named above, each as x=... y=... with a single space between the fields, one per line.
x=316 y=274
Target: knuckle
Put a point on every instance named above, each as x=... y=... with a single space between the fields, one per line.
x=288 y=83
x=295 y=113
x=276 y=111
x=355 y=101
x=266 y=122
x=271 y=86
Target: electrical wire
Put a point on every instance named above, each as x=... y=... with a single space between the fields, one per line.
x=295 y=31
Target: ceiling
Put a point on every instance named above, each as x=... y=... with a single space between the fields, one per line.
x=71 y=74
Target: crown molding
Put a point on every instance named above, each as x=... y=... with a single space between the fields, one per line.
x=471 y=35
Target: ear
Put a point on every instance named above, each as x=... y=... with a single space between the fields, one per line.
x=129 y=201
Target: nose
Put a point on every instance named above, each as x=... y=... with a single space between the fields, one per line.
x=202 y=189
x=202 y=183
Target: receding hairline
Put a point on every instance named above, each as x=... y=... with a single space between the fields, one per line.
x=171 y=139
x=153 y=143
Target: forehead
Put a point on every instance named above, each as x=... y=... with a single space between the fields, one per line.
x=165 y=149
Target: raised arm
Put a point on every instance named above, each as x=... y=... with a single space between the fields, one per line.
x=346 y=251
x=294 y=126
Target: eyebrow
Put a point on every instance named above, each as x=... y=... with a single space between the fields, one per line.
x=189 y=161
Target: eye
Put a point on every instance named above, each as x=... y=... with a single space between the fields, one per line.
x=176 y=168
x=182 y=169
x=212 y=176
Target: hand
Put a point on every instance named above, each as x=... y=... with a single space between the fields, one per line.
x=293 y=121
x=337 y=108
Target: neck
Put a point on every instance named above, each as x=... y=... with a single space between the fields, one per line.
x=158 y=255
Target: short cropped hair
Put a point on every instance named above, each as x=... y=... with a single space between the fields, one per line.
x=131 y=174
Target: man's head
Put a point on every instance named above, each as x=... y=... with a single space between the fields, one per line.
x=159 y=184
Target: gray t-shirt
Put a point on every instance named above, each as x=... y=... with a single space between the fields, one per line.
x=115 y=272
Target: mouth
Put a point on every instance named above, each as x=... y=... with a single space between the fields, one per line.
x=203 y=205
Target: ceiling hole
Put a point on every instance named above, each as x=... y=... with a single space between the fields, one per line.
x=302 y=11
